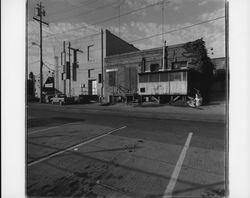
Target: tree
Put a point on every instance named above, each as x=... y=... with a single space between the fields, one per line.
x=202 y=64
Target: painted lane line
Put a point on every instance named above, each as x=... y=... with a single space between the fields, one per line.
x=177 y=169
x=40 y=130
x=75 y=146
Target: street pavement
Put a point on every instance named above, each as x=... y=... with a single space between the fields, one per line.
x=96 y=151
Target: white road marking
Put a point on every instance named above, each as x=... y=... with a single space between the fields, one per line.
x=75 y=146
x=40 y=130
x=177 y=169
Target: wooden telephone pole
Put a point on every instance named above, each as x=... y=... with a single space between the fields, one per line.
x=40 y=13
x=74 y=63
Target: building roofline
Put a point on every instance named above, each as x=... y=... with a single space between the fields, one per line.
x=222 y=57
x=145 y=50
x=106 y=30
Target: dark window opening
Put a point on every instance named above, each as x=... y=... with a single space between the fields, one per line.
x=175 y=76
x=154 y=77
x=142 y=90
x=67 y=70
x=179 y=65
x=143 y=65
x=154 y=67
x=112 y=78
x=143 y=78
x=90 y=53
x=89 y=73
x=99 y=78
x=164 y=77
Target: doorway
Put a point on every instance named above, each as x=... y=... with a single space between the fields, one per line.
x=92 y=87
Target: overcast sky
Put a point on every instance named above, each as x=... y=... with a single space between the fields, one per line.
x=89 y=16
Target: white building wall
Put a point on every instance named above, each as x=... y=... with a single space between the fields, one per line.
x=163 y=88
x=80 y=86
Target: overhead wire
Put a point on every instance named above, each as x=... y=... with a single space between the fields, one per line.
x=176 y=30
x=172 y=31
x=85 y=13
x=169 y=32
x=76 y=7
x=111 y=18
x=159 y=34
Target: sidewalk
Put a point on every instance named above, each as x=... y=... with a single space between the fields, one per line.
x=214 y=112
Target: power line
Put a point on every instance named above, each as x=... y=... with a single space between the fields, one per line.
x=171 y=31
x=176 y=30
x=53 y=34
x=111 y=18
x=88 y=12
x=48 y=67
x=76 y=7
x=34 y=62
x=159 y=34
x=85 y=37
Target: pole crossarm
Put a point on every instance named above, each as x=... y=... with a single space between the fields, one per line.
x=77 y=50
x=43 y=22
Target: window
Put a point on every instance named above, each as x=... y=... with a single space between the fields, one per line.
x=143 y=64
x=143 y=78
x=67 y=70
x=154 y=77
x=112 y=78
x=179 y=65
x=164 y=77
x=90 y=53
x=184 y=76
x=175 y=76
x=142 y=90
x=89 y=73
x=99 y=78
x=154 y=67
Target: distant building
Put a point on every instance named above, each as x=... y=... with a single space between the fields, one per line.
x=30 y=87
x=87 y=75
x=220 y=75
x=165 y=71
x=219 y=63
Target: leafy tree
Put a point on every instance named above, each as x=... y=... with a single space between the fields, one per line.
x=201 y=64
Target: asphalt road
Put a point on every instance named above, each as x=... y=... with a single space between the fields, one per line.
x=78 y=153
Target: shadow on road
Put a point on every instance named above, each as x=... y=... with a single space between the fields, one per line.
x=51 y=121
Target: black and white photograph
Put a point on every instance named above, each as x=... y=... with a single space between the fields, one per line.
x=126 y=98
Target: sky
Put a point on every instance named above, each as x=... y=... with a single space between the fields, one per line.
x=139 y=23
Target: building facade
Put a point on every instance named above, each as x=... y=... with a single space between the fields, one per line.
x=220 y=76
x=86 y=77
x=162 y=71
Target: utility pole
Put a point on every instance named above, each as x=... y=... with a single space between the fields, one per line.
x=102 y=92
x=75 y=50
x=74 y=65
x=40 y=14
x=69 y=71
x=56 y=76
x=64 y=67
x=120 y=2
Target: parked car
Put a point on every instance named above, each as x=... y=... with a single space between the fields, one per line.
x=48 y=97
x=61 y=99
